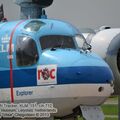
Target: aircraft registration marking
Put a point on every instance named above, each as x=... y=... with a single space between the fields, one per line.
x=5 y=48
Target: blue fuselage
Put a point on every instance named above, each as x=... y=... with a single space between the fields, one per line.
x=72 y=66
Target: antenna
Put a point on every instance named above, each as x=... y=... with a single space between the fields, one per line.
x=32 y=8
x=1 y=12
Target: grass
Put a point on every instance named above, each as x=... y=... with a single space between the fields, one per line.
x=110 y=109
x=105 y=119
x=108 y=118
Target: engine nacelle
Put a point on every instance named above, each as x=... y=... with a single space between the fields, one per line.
x=106 y=43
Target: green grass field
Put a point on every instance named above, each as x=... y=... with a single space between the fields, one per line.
x=111 y=118
x=110 y=110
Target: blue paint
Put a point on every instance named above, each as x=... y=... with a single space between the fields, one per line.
x=73 y=67
x=65 y=75
x=69 y=58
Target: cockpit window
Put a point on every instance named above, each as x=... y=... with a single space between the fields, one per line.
x=57 y=41
x=34 y=26
x=80 y=41
x=26 y=51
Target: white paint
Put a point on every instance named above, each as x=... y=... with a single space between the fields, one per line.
x=63 y=97
x=5 y=38
x=46 y=74
x=59 y=91
x=5 y=48
x=101 y=41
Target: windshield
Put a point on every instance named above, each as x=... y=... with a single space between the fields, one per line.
x=81 y=42
x=57 y=41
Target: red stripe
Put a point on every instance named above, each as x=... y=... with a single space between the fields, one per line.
x=11 y=66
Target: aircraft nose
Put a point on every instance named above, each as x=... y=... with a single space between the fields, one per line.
x=84 y=74
x=74 y=67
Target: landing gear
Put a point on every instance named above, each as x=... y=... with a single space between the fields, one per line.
x=86 y=112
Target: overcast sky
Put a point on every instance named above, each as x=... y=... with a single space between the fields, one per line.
x=81 y=13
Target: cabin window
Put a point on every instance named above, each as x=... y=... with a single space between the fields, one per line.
x=57 y=41
x=34 y=26
x=26 y=51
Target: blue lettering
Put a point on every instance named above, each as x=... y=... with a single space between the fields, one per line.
x=23 y=93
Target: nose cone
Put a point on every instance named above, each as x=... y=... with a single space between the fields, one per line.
x=76 y=67
x=84 y=74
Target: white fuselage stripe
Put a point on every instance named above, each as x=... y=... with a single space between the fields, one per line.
x=57 y=91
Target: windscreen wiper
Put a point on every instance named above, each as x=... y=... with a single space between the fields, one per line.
x=55 y=47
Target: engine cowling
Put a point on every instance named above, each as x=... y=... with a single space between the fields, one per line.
x=106 y=43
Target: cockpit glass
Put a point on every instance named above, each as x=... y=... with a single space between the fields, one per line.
x=34 y=26
x=26 y=51
x=57 y=41
x=80 y=41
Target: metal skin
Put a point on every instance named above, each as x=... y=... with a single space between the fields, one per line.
x=106 y=43
x=82 y=77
